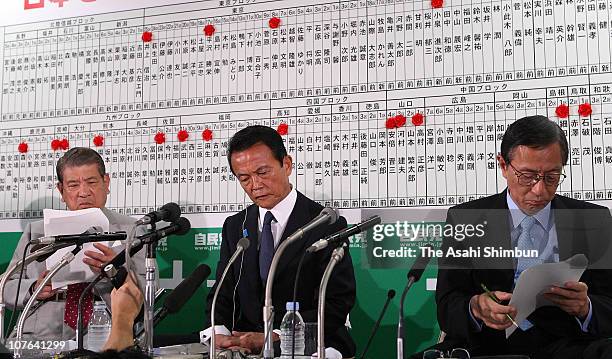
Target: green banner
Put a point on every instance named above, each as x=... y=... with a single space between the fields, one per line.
x=201 y=245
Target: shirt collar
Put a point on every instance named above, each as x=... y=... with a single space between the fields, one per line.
x=543 y=216
x=282 y=210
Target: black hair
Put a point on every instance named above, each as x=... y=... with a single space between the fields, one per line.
x=253 y=135
x=535 y=132
x=79 y=156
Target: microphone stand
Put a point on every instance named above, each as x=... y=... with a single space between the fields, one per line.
x=390 y=295
x=66 y=259
x=80 y=333
x=336 y=257
x=400 y=323
x=150 y=289
x=9 y=272
x=239 y=249
x=327 y=216
x=268 y=309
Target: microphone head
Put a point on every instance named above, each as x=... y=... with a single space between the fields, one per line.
x=418 y=268
x=244 y=243
x=185 y=290
x=184 y=226
x=333 y=215
x=391 y=293
x=173 y=212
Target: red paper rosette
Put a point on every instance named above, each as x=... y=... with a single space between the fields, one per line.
x=274 y=23
x=585 y=110
x=22 y=147
x=207 y=135
x=417 y=119
x=98 y=141
x=209 y=30
x=182 y=135
x=436 y=4
x=282 y=129
x=147 y=36
x=390 y=123
x=160 y=138
x=562 y=111
x=400 y=120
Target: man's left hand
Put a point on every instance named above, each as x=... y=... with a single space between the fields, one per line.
x=253 y=341
x=572 y=298
x=96 y=260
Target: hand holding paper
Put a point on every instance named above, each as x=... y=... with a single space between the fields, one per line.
x=72 y=222
x=96 y=259
x=533 y=283
x=571 y=298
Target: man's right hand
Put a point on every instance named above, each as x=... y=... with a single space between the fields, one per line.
x=493 y=315
x=47 y=291
x=230 y=342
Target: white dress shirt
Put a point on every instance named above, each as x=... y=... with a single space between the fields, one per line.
x=281 y=213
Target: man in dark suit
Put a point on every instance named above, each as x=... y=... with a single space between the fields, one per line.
x=259 y=160
x=527 y=215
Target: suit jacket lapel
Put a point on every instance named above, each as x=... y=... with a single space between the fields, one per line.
x=501 y=225
x=251 y=257
x=565 y=226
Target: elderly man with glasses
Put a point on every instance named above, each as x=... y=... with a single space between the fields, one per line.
x=528 y=215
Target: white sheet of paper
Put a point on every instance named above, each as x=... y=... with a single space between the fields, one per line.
x=527 y=295
x=58 y=222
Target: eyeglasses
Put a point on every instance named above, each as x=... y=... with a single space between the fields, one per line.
x=530 y=178
x=458 y=353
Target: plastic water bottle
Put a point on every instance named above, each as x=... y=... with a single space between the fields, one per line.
x=292 y=317
x=99 y=327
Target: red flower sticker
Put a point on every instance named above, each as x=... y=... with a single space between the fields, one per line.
x=182 y=135
x=562 y=111
x=417 y=119
x=209 y=30
x=436 y=4
x=274 y=23
x=23 y=147
x=390 y=123
x=98 y=141
x=585 y=110
x=55 y=144
x=64 y=144
x=282 y=129
x=400 y=120
x=160 y=138
x=147 y=36
x=207 y=135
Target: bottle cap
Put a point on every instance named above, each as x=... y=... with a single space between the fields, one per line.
x=293 y=306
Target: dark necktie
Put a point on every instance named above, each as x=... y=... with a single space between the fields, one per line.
x=266 y=251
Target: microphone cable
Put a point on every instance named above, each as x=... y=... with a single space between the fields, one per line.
x=25 y=253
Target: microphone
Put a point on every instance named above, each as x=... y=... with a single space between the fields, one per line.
x=80 y=238
x=327 y=216
x=414 y=275
x=343 y=234
x=242 y=245
x=390 y=295
x=181 y=294
x=118 y=276
x=180 y=227
x=169 y=212
x=417 y=269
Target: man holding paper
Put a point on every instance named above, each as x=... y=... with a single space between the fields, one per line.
x=82 y=183
x=527 y=217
